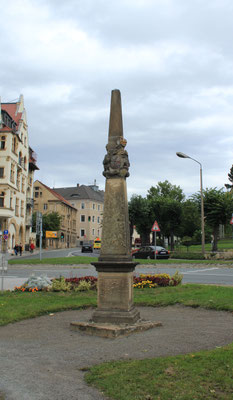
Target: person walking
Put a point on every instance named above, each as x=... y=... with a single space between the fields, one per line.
x=16 y=249
x=32 y=246
x=20 y=249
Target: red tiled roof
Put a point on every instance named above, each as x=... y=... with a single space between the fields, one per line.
x=57 y=195
x=11 y=109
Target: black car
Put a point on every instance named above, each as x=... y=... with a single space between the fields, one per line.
x=87 y=248
x=149 y=252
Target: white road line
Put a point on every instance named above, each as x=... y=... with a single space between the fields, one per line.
x=199 y=270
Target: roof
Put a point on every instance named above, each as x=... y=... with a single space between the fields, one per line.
x=11 y=108
x=82 y=192
x=57 y=195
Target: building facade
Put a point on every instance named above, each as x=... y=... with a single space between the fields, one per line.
x=48 y=200
x=89 y=201
x=17 y=166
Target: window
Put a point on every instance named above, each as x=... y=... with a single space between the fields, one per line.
x=2 y=194
x=98 y=232
x=12 y=177
x=36 y=195
x=40 y=194
x=3 y=143
x=23 y=184
x=37 y=188
x=82 y=206
x=89 y=219
x=17 y=207
x=45 y=207
x=1 y=172
x=82 y=232
x=98 y=207
x=25 y=162
x=82 y=218
x=93 y=206
x=93 y=219
x=98 y=220
x=93 y=231
x=14 y=144
x=22 y=208
x=18 y=181
x=73 y=223
x=11 y=200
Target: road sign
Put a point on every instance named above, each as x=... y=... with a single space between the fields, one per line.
x=5 y=232
x=231 y=221
x=5 y=237
x=155 y=227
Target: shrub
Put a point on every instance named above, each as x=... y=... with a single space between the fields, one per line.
x=83 y=286
x=187 y=255
x=76 y=281
x=60 y=285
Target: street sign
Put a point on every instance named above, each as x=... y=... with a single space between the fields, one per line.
x=5 y=237
x=231 y=221
x=155 y=227
x=5 y=232
x=51 y=234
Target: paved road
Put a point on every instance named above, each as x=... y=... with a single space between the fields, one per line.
x=17 y=274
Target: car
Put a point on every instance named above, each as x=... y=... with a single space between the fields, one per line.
x=87 y=248
x=150 y=251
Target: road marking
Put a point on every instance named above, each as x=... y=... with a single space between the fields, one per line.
x=199 y=270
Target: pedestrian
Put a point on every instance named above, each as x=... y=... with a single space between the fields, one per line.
x=32 y=246
x=20 y=249
x=16 y=249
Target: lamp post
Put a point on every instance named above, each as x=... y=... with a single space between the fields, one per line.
x=182 y=155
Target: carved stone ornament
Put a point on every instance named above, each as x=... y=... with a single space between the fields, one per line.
x=116 y=162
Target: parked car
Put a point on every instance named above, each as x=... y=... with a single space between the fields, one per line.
x=87 y=248
x=150 y=251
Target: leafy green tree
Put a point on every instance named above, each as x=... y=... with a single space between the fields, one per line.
x=140 y=215
x=190 y=219
x=218 y=207
x=230 y=177
x=166 y=203
x=50 y=222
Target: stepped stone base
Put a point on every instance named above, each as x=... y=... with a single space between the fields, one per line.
x=111 y=330
x=117 y=317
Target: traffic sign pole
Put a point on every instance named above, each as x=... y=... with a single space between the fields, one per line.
x=155 y=243
x=155 y=228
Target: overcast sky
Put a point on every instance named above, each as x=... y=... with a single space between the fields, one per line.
x=172 y=60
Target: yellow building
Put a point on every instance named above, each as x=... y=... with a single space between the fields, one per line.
x=17 y=166
x=89 y=201
x=48 y=200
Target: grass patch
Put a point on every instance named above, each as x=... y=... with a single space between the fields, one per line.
x=55 y=261
x=16 y=306
x=203 y=375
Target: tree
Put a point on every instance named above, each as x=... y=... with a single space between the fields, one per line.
x=50 y=222
x=218 y=206
x=190 y=219
x=230 y=177
x=140 y=215
x=166 y=206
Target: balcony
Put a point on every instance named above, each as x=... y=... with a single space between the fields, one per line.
x=29 y=202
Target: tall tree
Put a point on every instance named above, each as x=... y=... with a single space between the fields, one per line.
x=218 y=207
x=166 y=201
x=230 y=177
x=140 y=215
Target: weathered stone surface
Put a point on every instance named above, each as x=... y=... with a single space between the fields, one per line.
x=111 y=330
x=115 y=233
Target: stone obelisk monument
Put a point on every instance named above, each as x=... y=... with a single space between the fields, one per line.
x=115 y=314
x=115 y=267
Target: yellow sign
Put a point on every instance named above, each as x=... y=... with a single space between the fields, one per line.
x=51 y=234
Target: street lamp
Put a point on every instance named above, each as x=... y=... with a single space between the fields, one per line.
x=182 y=155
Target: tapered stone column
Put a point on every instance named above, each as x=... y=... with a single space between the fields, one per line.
x=115 y=267
x=115 y=314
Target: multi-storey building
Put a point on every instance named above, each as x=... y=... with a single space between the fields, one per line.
x=17 y=166
x=48 y=200
x=89 y=201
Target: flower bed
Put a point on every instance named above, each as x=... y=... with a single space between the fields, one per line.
x=145 y=281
